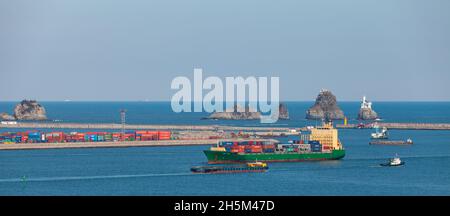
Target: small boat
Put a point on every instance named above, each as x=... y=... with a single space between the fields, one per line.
x=393 y=162
x=248 y=167
x=383 y=134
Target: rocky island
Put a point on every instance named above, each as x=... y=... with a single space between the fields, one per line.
x=325 y=107
x=239 y=113
x=366 y=112
x=26 y=110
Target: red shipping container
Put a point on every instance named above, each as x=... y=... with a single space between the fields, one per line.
x=237 y=149
x=164 y=133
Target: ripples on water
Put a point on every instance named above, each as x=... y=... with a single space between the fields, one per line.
x=165 y=170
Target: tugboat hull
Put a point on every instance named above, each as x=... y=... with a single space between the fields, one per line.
x=392 y=165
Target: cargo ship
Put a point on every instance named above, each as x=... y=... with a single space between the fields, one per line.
x=321 y=144
x=249 y=167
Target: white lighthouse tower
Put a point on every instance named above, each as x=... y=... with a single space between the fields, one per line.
x=365 y=104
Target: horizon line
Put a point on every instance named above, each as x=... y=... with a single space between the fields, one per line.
x=168 y=101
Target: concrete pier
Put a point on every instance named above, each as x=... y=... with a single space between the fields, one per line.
x=24 y=146
x=401 y=126
x=52 y=125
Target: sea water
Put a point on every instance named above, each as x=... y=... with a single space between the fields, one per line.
x=165 y=170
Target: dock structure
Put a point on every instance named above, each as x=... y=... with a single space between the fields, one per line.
x=106 y=126
x=153 y=143
x=400 y=126
x=390 y=142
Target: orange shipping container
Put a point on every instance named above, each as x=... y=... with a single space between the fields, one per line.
x=164 y=133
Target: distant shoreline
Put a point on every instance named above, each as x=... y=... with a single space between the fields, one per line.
x=286 y=101
x=52 y=125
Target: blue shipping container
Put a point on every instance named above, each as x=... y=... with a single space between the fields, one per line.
x=269 y=150
x=34 y=134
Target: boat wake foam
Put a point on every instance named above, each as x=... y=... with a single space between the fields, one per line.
x=69 y=178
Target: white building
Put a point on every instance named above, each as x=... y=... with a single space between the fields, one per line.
x=8 y=122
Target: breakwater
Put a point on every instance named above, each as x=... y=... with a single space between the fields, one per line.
x=23 y=146
x=106 y=126
x=399 y=126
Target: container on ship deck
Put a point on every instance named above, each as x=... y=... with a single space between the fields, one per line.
x=316 y=148
x=269 y=150
x=268 y=146
x=217 y=149
x=225 y=143
x=243 y=143
x=237 y=150
x=256 y=149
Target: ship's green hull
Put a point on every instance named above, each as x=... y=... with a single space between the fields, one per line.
x=215 y=157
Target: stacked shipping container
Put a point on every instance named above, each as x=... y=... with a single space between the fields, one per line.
x=59 y=137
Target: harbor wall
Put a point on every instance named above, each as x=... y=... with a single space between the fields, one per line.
x=43 y=125
x=24 y=146
x=401 y=126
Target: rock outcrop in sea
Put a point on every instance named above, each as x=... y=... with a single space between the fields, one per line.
x=239 y=113
x=283 y=112
x=325 y=107
x=6 y=117
x=366 y=112
x=29 y=110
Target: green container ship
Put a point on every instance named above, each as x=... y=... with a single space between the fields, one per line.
x=231 y=157
x=321 y=144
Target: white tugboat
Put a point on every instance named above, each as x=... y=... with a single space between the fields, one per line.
x=383 y=134
x=394 y=162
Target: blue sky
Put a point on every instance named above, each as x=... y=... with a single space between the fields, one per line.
x=389 y=50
